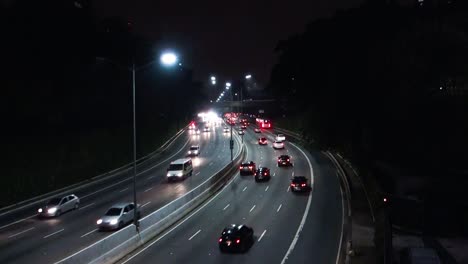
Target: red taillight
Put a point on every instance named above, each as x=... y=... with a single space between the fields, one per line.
x=288 y=159
x=238 y=241
x=250 y=167
x=220 y=240
x=264 y=173
x=292 y=184
x=303 y=185
x=240 y=167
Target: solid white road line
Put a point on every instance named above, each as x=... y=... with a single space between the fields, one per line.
x=274 y=173
x=251 y=209
x=18 y=221
x=149 y=189
x=279 y=208
x=197 y=173
x=90 y=232
x=266 y=189
x=190 y=238
x=124 y=190
x=145 y=204
x=226 y=207
x=245 y=188
x=306 y=212
x=24 y=231
x=83 y=207
x=261 y=236
x=54 y=233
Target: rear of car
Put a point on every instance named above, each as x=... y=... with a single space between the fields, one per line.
x=284 y=160
x=262 y=141
x=236 y=238
x=247 y=168
x=278 y=145
x=262 y=174
x=299 y=184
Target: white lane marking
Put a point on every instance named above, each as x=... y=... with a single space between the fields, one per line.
x=190 y=238
x=124 y=190
x=279 y=208
x=90 y=232
x=226 y=207
x=197 y=173
x=129 y=178
x=251 y=209
x=24 y=231
x=266 y=189
x=149 y=189
x=292 y=174
x=151 y=177
x=18 y=221
x=245 y=188
x=83 y=207
x=211 y=163
x=54 y=233
x=145 y=204
x=289 y=188
x=261 y=236
x=274 y=173
x=176 y=226
x=306 y=212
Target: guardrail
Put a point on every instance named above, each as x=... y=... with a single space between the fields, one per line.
x=86 y=183
x=126 y=240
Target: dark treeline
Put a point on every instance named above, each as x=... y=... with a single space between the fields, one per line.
x=385 y=84
x=67 y=97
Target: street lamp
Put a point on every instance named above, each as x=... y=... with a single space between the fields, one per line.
x=248 y=76
x=168 y=58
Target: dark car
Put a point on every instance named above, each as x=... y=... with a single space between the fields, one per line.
x=247 y=168
x=236 y=238
x=262 y=174
x=300 y=184
x=262 y=141
x=284 y=160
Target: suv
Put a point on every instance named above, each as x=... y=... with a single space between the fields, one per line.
x=300 y=184
x=262 y=174
x=247 y=168
x=284 y=160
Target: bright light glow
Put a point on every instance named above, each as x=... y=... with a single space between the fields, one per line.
x=213 y=82
x=113 y=222
x=228 y=84
x=213 y=78
x=39 y=210
x=220 y=240
x=179 y=174
x=99 y=221
x=168 y=59
x=248 y=76
x=52 y=210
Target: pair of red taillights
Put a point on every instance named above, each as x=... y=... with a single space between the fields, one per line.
x=280 y=160
x=221 y=240
x=303 y=184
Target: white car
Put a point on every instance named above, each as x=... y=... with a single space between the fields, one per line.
x=57 y=206
x=280 y=137
x=257 y=130
x=241 y=132
x=226 y=130
x=117 y=216
x=194 y=151
x=278 y=145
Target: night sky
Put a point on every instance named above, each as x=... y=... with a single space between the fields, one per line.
x=227 y=39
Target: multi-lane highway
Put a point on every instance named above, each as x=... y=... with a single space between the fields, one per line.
x=26 y=239
x=288 y=227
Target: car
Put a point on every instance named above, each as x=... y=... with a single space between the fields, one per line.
x=206 y=129
x=262 y=174
x=226 y=130
x=241 y=132
x=193 y=151
x=236 y=238
x=117 y=216
x=280 y=137
x=243 y=126
x=247 y=168
x=197 y=131
x=59 y=205
x=278 y=145
x=262 y=141
x=300 y=184
x=284 y=160
x=257 y=130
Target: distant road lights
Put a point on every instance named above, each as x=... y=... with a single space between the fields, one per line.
x=168 y=58
x=228 y=84
x=213 y=82
x=248 y=76
x=213 y=78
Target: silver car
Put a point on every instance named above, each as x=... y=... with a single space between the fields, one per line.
x=117 y=216
x=193 y=151
x=59 y=205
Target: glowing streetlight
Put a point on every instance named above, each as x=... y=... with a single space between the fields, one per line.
x=213 y=78
x=248 y=76
x=168 y=58
x=228 y=84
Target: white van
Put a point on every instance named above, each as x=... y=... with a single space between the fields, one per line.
x=179 y=169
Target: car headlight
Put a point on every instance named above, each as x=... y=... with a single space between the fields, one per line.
x=179 y=174
x=113 y=222
x=99 y=221
x=168 y=174
x=52 y=210
x=39 y=210
x=189 y=152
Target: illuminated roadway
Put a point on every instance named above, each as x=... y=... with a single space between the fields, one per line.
x=288 y=227
x=27 y=239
